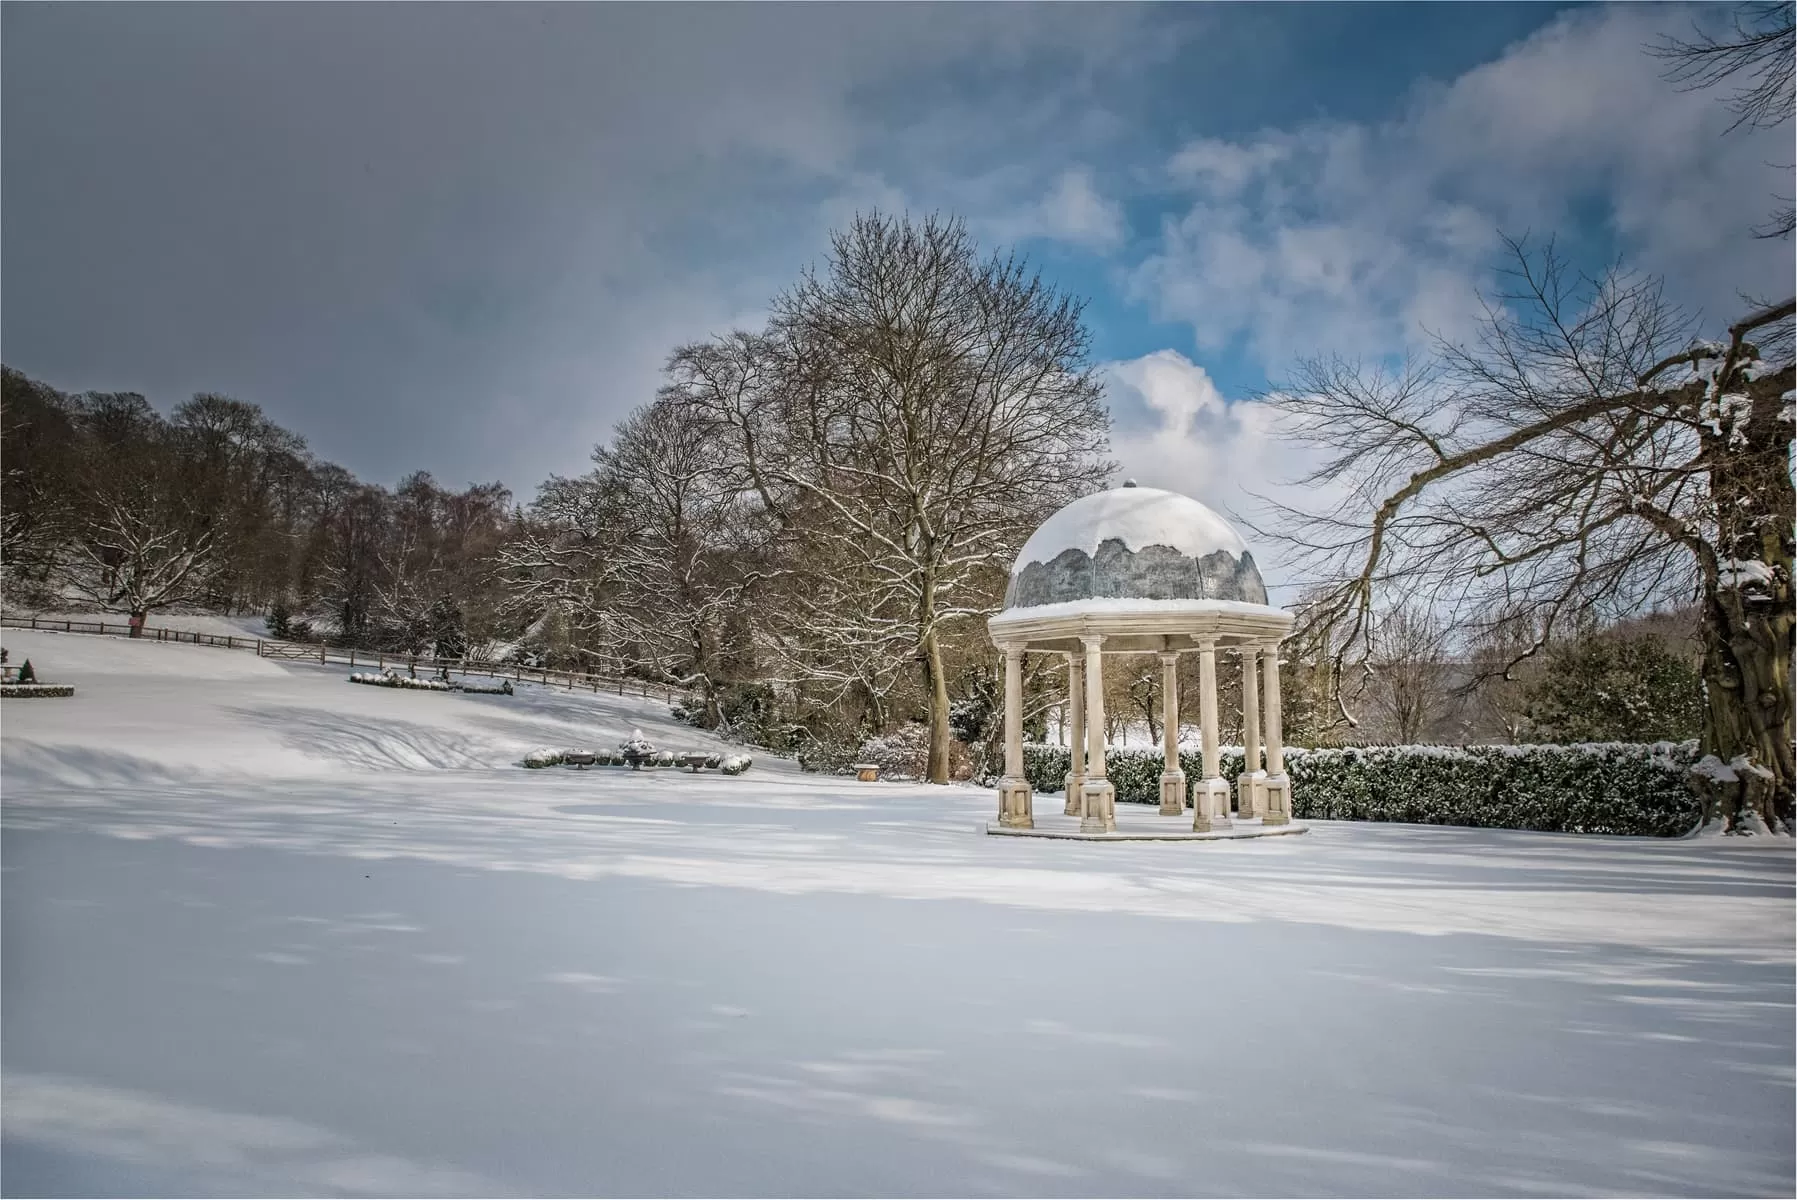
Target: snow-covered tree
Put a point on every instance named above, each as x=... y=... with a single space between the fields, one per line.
x=1583 y=457
x=913 y=411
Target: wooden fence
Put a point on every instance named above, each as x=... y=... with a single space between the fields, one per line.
x=362 y=659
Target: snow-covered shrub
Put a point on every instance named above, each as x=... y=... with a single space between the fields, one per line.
x=663 y=758
x=901 y=754
x=1609 y=787
x=735 y=764
x=389 y=679
x=502 y=688
x=545 y=758
x=828 y=757
x=20 y=691
x=1605 y=787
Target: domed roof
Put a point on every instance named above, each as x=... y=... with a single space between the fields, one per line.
x=1134 y=543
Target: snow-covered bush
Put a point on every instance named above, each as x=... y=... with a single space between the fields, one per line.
x=502 y=688
x=828 y=757
x=21 y=691
x=735 y=764
x=401 y=681
x=1609 y=787
x=663 y=758
x=545 y=758
x=902 y=754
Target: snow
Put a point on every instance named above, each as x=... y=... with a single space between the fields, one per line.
x=269 y=934
x=1714 y=769
x=1744 y=573
x=1141 y=517
x=1115 y=605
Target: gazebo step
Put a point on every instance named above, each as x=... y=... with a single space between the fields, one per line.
x=1050 y=827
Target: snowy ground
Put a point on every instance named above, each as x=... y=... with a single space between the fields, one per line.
x=266 y=932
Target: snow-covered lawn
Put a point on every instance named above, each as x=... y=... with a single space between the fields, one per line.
x=266 y=932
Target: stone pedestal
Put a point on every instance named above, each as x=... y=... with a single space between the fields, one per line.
x=1075 y=781
x=1099 y=812
x=1173 y=793
x=1251 y=794
x=1014 y=808
x=1210 y=805
x=1279 y=799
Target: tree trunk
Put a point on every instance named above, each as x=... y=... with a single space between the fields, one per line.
x=1748 y=624
x=936 y=767
x=139 y=618
x=1747 y=711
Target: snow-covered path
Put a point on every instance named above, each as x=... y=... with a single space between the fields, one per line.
x=266 y=932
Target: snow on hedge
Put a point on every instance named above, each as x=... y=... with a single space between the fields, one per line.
x=1611 y=787
x=394 y=680
x=729 y=764
x=401 y=681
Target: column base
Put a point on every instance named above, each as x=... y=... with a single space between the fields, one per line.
x=1251 y=794
x=1014 y=807
x=1173 y=793
x=1072 y=784
x=1279 y=800
x=1210 y=805
x=1099 y=811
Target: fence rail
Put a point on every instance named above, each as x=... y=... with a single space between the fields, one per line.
x=377 y=660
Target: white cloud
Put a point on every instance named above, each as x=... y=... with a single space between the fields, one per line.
x=1074 y=212
x=1225 y=168
x=1008 y=205
x=1229 y=454
x=1356 y=238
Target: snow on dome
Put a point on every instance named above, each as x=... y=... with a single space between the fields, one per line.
x=1134 y=543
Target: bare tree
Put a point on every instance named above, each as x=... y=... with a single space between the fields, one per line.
x=1502 y=664
x=913 y=412
x=1407 y=676
x=133 y=556
x=1761 y=46
x=1580 y=458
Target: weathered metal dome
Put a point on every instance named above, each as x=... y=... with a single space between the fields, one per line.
x=1134 y=543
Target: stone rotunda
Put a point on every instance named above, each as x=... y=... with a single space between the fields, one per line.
x=1129 y=571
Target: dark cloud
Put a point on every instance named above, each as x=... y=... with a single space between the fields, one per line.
x=456 y=236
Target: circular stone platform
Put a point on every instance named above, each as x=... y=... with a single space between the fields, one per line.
x=1147 y=826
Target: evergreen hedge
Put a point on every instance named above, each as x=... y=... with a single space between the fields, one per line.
x=1608 y=787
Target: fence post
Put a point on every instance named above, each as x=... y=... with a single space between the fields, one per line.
x=321 y=654
x=258 y=647
x=34 y=622
x=352 y=658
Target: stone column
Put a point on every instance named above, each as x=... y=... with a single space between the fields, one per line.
x=1251 y=785
x=1210 y=798
x=1014 y=790
x=1098 y=799
x=1173 y=780
x=1278 y=785
x=1076 y=732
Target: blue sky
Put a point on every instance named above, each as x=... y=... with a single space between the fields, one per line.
x=464 y=238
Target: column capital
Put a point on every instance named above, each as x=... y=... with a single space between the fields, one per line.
x=1205 y=642
x=1091 y=641
x=1167 y=657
